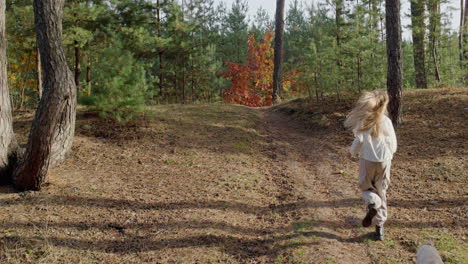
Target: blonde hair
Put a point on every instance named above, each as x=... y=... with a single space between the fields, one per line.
x=368 y=112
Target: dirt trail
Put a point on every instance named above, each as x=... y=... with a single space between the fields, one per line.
x=219 y=183
x=320 y=197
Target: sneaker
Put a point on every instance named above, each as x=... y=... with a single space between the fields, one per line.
x=379 y=233
x=371 y=212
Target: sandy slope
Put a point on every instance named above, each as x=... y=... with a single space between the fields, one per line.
x=230 y=184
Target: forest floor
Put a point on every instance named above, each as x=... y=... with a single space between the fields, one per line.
x=216 y=183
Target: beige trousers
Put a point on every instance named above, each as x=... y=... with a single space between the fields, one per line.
x=374 y=179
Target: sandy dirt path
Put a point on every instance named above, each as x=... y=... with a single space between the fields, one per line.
x=218 y=183
x=320 y=199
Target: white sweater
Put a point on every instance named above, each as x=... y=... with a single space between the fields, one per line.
x=377 y=149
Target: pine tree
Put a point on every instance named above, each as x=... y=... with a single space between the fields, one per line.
x=279 y=32
x=394 y=58
x=418 y=30
x=79 y=24
x=8 y=144
x=433 y=7
x=119 y=92
x=235 y=28
x=53 y=127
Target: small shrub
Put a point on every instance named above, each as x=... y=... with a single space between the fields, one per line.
x=119 y=85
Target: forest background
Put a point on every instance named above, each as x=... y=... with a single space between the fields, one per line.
x=126 y=54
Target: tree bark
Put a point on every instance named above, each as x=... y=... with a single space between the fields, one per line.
x=8 y=144
x=338 y=23
x=465 y=42
x=53 y=126
x=460 y=33
x=418 y=31
x=77 y=65
x=183 y=84
x=39 y=72
x=465 y=33
x=278 y=57
x=434 y=32
x=394 y=59
x=88 y=75
x=160 y=53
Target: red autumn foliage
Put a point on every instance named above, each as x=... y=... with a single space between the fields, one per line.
x=251 y=83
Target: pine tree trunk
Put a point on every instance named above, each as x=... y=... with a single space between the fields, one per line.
x=183 y=84
x=465 y=34
x=359 y=73
x=418 y=30
x=278 y=58
x=338 y=23
x=434 y=32
x=39 y=73
x=88 y=76
x=8 y=145
x=77 y=65
x=176 y=92
x=394 y=59
x=160 y=53
x=53 y=126
x=161 y=76
x=465 y=42
x=460 y=33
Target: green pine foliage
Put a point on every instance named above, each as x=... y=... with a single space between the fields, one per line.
x=176 y=51
x=120 y=86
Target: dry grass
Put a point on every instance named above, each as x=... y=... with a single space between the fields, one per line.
x=227 y=184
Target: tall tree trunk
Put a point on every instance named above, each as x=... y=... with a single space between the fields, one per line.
x=8 y=144
x=160 y=53
x=39 y=72
x=338 y=23
x=465 y=42
x=88 y=75
x=192 y=84
x=460 y=33
x=183 y=83
x=465 y=32
x=176 y=92
x=161 y=76
x=359 y=73
x=77 y=65
x=278 y=58
x=418 y=30
x=53 y=126
x=394 y=59
x=434 y=32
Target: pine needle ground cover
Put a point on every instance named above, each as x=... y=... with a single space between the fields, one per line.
x=216 y=183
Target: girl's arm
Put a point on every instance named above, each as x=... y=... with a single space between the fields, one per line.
x=356 y=146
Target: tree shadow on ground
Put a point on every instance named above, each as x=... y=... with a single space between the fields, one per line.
x=243 y=248
x=241 y=242
x=102 y=202
x=7 y=189
x=270 y=244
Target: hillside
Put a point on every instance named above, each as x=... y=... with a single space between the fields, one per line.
x=215 y=183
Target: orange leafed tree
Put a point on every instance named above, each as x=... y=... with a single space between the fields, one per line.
x=251 y=83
